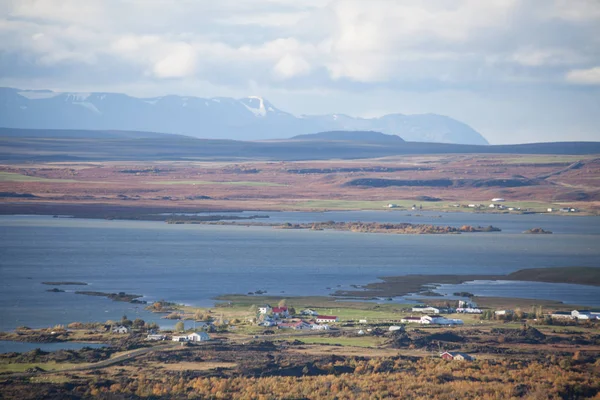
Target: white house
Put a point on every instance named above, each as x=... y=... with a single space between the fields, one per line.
x=308 y=311
x=411 y=320
x=561 y=315
x=426 y=310
x=469 y=310
x=179 y=338
x=198 y=337
x=264 y=309
x=326 y=318
x=503 y=312
x=456 y=356
x=120 y=329
x=585 y=314
x=155 y=337
x=319 y=327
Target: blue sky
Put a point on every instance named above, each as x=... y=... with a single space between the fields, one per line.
x=515 y=70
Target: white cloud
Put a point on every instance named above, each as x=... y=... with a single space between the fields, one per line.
x=339 y=47
x=290 y=66
x=179 y=62
x=590 y=76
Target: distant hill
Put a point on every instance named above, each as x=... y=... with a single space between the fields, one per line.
x=65 y=145
x=352 y=136
x=81 y=134
x=250 y=118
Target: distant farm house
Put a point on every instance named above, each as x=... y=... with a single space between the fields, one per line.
x=120 y=329
x=456 y=356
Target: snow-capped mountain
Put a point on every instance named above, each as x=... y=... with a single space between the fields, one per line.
x=250 y=118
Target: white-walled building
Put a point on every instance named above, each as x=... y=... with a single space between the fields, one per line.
x=265 y=309
x=326 y=318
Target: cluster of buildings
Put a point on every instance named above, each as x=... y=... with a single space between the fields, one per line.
x=280 y=317
x=431 y=320
x=463 y=308
x=584 y=315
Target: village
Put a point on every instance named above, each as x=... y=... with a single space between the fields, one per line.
x=268 y=322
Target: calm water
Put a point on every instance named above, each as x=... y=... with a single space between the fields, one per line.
x=193 y=263
x=8 y=346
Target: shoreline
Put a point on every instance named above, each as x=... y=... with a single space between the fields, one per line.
x=395 y=286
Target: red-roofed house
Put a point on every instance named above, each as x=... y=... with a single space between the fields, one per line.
x=280 y=311
x=326 y=318
x=298 y=325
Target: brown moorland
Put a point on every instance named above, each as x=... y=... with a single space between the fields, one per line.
x=433 y=182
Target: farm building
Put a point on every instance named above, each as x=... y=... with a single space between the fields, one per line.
x=456 y=356
x=326 y=318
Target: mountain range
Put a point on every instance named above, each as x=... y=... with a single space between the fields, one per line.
x=250 y=118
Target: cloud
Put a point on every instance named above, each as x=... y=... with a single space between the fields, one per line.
x=590 y=76
x=346 y=48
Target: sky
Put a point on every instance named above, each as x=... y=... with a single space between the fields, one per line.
x=515 y=70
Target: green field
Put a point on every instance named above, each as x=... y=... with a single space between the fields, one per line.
x=235 y=183
x=14 y=177
x=366 y=205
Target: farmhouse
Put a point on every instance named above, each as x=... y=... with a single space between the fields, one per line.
x=120 y=329
x=326 y=318
x=585 y=314
x=426 y=310
x=411 y=320
x=280 y=312
x=561 y=315
x=456 y=356
x=192 y=337
x=264 y=309
x=298 y=325
x=469 y=310
x=198 y=337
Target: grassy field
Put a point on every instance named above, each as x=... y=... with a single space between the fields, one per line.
x=541 y=159
x=234 y=183
x=362 y=341
x=14 y=177
x=407 y=205
x=51 y=366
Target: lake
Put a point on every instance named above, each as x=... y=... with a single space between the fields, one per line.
x=192 y=264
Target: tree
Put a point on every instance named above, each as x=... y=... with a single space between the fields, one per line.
x=138 y=323
x=179 y=326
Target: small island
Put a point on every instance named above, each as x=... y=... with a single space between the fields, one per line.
x=121 y=296
x=537 y=231
x=362 y=227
